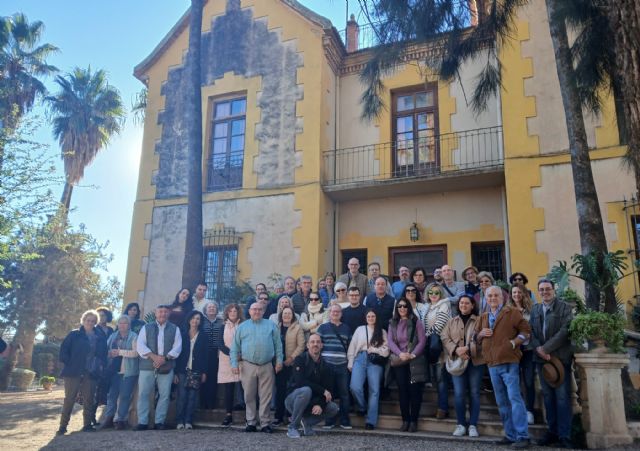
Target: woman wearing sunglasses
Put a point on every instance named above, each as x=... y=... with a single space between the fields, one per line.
x=406 y=343
x=413 y=295
x=437 y=316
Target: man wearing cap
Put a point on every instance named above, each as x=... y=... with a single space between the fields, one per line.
x=550 y=322
x=159 y=345
x=500 y=331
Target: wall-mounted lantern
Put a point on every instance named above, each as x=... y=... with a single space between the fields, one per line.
x=414 y=232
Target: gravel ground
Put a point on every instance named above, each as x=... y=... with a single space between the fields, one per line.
x=29 y=421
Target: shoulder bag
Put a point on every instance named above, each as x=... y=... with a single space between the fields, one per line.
x=456 y=365
x=374 y=357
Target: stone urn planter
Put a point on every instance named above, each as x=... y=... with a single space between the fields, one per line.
x=603 y=416
x=22 y=378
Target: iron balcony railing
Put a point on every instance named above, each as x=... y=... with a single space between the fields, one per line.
x=224 y=171
x=428 y=156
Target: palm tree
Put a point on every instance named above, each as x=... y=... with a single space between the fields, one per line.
x=22 y=65
x=139 y=106
x=193 y=251
x=86 y=113
x=446 y=25
x=624 y=20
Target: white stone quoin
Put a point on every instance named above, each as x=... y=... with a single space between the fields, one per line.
x=603 y=415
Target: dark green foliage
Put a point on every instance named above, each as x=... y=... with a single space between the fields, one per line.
x=590 y=326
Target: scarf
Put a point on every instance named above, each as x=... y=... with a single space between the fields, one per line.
x=314 y=309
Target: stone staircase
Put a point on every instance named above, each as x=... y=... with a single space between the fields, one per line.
x=389 y=419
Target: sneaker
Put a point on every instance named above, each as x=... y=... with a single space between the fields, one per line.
x=61 y=431
x=346 y=426
x=521 y=444
x=141 y=427
x=307 y=430
x=292 y=432
x=328 y=426
x=267 y=430
x=473 y=432
x=250 y=428
x=459 y=431
x=89 y=428
x=188 y=426
x=228 y=420
x=530 y=418
x=276 y=423
x=180 y=426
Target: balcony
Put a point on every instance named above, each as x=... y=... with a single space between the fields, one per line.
x=435 y=163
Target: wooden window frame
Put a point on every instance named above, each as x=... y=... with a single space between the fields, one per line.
x=399 y=92
x=392 y=251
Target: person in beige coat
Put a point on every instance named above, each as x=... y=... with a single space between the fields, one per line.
x=232 y=316
x=292 y=338
x=458 y=343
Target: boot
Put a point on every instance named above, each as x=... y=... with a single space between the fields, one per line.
x=413 y=426
x=405 y=426
x=106 y=424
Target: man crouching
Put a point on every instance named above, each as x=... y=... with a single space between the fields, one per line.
x=309 y=400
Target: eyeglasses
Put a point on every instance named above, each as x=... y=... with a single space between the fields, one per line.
x=403 y=306
x=431 y=293
x=341 y=289
x=410 y=290
x=314 y=299
x=542 y=290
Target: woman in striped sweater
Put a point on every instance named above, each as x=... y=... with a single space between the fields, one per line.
x=438 y=315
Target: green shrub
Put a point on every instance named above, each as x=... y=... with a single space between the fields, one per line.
x=592 y=325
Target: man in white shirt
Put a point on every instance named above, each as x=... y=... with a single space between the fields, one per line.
x=159 y=344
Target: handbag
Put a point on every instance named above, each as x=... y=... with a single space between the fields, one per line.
x=193 y=380
x=395 y=360
x=417 y=370
x=456 y=365
x=374 y=357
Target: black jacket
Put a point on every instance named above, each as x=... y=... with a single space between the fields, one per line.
x=557 y=342
x=200 y=353
x=315 y=375
x=75 y=349
x=354 y=317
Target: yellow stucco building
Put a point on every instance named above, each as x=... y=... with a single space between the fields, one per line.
x=296 y=183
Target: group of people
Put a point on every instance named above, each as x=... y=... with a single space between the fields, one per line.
x=301 y=349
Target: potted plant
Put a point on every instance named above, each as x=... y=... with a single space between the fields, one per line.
x=604 y=332
x=47 y=382
x=22 y=378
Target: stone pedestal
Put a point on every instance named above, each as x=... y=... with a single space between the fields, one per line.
x=603 y=415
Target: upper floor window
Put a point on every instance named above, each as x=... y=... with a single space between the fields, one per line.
x=415 y=129
x=226 y=155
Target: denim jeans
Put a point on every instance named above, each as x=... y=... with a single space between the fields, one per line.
x=119 y=398
x=297 y=403
x=505 y=379
x=468 y=383
x=557 y=404
x=187 y=401
x=363 y=370
x=341 y=380
x=146 y=384
x=441 y=376
x=527 y=370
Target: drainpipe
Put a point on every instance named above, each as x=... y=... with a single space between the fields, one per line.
x=336 y=143
x=505 y=225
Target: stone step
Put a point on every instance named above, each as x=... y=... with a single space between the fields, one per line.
x=428 y=409
x=377 y=432
x=391 y=423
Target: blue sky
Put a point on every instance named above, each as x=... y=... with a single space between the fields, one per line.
x=115 y=35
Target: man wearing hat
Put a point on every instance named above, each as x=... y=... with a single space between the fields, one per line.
x=550 y=338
